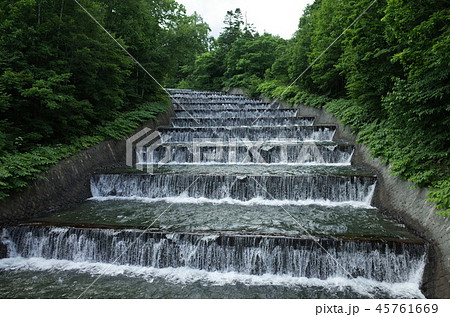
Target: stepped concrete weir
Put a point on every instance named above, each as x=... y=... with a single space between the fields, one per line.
x=237 y=198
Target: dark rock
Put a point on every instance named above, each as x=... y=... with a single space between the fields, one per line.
x=3 y=251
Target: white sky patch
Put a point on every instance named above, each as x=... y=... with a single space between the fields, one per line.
x=276 y=17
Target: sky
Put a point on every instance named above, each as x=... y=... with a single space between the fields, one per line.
x=279 y=17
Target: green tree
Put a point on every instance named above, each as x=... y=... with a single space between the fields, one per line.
x=233 y=30
x=389 y=78
x=250 y=58
x=419 y=103
x=366 y=62
x=55 y=67
x=301 y=49
x=65 y=84
x=239 y=57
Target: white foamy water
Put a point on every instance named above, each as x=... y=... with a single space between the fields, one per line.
x=184 y=275
x=308 y=164
x=252 y=202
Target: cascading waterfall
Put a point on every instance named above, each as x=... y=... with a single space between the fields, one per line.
x=234 y=223
x=234 y=153
x=231 y=105
x=260 y=113
x=293 y=188
x=218 y=102
x=390 y=262
x=243 y=122
x=310 y=133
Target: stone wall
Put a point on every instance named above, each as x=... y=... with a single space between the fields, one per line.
x=405 y=203
x=68 y=183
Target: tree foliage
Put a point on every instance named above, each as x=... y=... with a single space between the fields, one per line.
x=239 y=57
x=64 y=80
x=395 y=65
x=387 y=77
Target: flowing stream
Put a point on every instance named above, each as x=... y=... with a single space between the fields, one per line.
x=239 y=200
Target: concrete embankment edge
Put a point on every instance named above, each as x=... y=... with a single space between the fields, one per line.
x=68 y=183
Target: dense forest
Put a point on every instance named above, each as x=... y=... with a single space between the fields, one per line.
x=387 y=77
x=65 y=85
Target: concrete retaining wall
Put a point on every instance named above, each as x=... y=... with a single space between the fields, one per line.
x=67 y=183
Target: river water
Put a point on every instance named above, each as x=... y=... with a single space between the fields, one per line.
x=241 y=200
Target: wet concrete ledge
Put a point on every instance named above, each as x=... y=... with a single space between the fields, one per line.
x=388 y=240
x=67 y=183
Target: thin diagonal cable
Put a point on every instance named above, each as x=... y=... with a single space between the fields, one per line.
x=317 y=58
x=133 y=243
x=134 y=59
x=309 y=235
